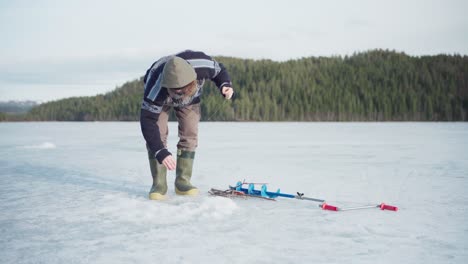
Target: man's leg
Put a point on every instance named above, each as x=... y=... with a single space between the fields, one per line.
x=158 y=171
x=188 y=117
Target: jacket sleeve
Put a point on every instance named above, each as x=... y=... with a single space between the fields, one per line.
x=207 y=68
x=151 y=110
x=149 y=127
x=221 y=77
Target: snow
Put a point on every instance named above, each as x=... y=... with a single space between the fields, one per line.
x=77 y=193
x=43 y=145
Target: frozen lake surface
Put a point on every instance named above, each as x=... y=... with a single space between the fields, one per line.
x=77 y=193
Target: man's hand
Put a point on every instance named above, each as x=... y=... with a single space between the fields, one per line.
x=227 y=92
x=169 y=162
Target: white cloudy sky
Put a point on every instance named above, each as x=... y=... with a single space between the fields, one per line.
x=55 y=49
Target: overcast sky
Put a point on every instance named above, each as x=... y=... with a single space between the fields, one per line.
x=56 y=49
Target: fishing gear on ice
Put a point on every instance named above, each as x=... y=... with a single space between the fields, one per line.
x=250 y=192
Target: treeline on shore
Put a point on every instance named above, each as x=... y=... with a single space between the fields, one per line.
x=377 y=85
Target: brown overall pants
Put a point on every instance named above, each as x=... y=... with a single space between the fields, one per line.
x=188 y=118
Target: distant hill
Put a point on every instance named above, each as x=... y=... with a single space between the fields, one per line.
x=377 y=85
x=15 y=110
x=16 y=107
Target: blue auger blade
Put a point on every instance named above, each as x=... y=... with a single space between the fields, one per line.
x=274 y=194
x=251 y=189
x=268 y=194
x=238 y=186
x=263 y=191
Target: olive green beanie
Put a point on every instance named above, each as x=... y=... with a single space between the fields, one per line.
x=177 y=73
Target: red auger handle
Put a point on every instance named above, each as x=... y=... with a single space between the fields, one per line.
x=329 y=207
x=388 y=207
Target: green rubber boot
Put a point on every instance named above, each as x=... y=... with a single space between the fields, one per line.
x=159 y=189
x=184 y=173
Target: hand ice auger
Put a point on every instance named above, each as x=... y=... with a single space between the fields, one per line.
x=263 y=192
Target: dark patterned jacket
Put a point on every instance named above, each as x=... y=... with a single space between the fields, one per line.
x=155 y=96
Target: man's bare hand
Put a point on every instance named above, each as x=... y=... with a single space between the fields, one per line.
x=227 y=92
x=169 y=162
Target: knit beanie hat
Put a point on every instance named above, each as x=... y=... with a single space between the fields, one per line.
x=177 y=73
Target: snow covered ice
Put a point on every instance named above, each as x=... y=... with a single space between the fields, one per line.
x=77 y=193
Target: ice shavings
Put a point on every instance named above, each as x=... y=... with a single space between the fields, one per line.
x=43 y=145
x=170 y=212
